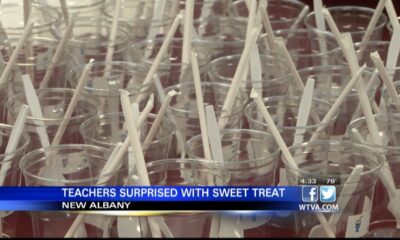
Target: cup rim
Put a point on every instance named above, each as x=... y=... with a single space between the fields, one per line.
x=291 y=2
x=319 y=34
x=62 y=61
x=91 y=120
x=21 y=96
x=340 y=56
x=347 y=8
x=24 y=161
x=123 y=37
x=24 y=135
x=217 y=62
x=57 y=15
x=236 y=40
x=209 y=163
x=142 y=22
x=263 y=123
x=96 y=2
x=131 y=65
x=334 y=67
x=362 y=147
x=270 y=158
x=148 y=62
x=234 y=111
x=380 y=116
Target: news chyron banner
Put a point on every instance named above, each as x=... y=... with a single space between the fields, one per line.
x=138 y=200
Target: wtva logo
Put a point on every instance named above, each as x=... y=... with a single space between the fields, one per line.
x=326 y=194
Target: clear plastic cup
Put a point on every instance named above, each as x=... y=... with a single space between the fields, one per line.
x=330 y=82
x=336 y=159
x=46 y=24
x=352 y=19
x=11 y=175
x=65 y=165
x=284 y=111
x=171 y=71
x=85 y=8
x=139 y=15
x=54 y=102
x=219 y=35
x=99 y=131
x=382 y=47
x=283 y=13
x=249 y=155
x=127 y=76
x=184 y=109
x=185 y=172
x=91 y=39
x=274 y=82
x=216 y=8
x=389 y=130
x=251 y=159
x=36 y=65
x=305 y=47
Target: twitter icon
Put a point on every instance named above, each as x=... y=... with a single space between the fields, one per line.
x=327 y=194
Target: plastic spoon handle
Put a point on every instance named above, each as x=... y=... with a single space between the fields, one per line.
x=12 y=144
x=36 y=111
x=214 y=135
x=304 y=111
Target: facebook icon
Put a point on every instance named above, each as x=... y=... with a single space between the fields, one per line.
x=310 y=194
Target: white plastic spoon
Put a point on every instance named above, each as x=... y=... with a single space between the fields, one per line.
x=129 y=226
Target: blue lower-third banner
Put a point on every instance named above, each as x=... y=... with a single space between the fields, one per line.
x=168 y=198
